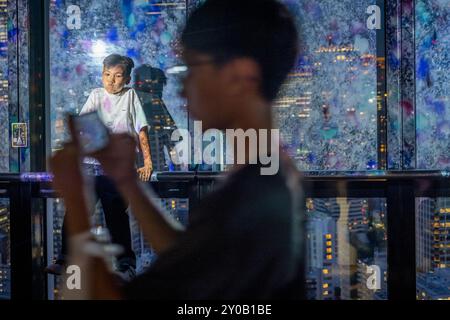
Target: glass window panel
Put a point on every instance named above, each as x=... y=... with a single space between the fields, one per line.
x=433 y=248
x=327 y=110
x=145 y=256
x=14 y=89
x=346 y=249
x=178 y=209
x=4 y=94
x=82 y=36
x=433 y=84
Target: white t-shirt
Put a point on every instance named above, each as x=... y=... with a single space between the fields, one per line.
x=121 y=113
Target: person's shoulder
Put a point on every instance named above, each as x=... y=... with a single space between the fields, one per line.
x=129 y=91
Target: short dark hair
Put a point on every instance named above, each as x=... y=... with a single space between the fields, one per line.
x=116 y=59
x=262 y=30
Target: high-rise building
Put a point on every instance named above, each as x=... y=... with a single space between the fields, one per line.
x=441 y=234
x=356 y=219
x=178 y=209
x=433 y=286
x=367 y=276
x=349 y=222
x=432 y=234
x=291 y=108
x=149 y=84
x=321 y=256
x=425 y=215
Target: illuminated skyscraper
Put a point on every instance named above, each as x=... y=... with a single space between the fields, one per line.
x=365 y=277
x=321 y=256
x=349 y=239
x=433 y=234
x=425 y=216
x=149 y=84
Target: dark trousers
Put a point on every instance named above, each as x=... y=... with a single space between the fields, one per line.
x=116 y=218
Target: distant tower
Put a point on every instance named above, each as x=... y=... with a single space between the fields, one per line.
x=149 y=83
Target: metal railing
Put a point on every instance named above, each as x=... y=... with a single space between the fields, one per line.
x=400 y=189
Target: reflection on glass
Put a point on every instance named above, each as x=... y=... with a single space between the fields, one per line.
x=433 y=248
x=327 y=109
x=81 y=35
x=4 y=100
x=5 y=262
x=177 y=208
x=346 y=249
x=433 y=84
x=149 y=85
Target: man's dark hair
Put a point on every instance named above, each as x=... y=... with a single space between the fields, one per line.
x=116 y=59
x=262 y=30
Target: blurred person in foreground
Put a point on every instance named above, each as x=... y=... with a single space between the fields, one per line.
x=245 y=239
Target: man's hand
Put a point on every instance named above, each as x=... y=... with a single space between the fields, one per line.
x=118 y=158
x=145 y=171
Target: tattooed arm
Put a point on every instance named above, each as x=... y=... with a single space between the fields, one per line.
x=146 y=170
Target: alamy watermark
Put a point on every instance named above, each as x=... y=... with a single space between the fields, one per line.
x=251 y=146
x=73 y=281
x=374 y=279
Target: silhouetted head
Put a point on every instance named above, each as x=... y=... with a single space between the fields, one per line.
x=149 y=79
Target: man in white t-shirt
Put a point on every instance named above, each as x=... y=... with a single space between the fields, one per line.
x=121 y=111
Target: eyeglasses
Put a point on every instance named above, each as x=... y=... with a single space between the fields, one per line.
x=183 y=69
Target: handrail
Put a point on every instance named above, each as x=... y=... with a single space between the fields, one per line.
x=208 y=175
x=315 y=175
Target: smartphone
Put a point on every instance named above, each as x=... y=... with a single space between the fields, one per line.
x=93 y=135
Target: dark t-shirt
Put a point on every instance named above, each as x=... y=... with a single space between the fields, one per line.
x=244 y=240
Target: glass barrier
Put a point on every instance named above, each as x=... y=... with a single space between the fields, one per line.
x=433 y=248
x=176 y=207
x=327 y=110
x=83 y=34
x=5 y=259
x=4 y=99
x=432 y=83
x=14 y=86
x=346 y=249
